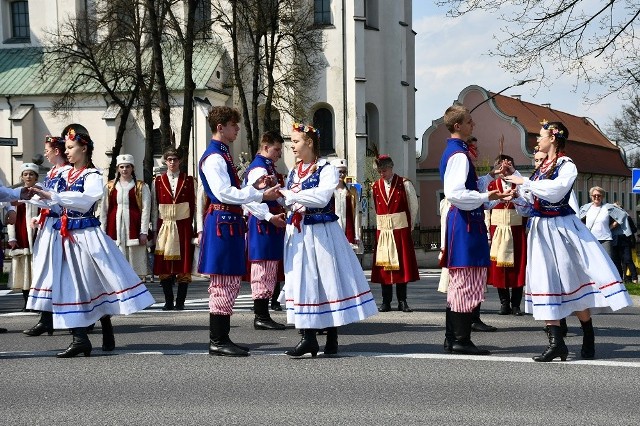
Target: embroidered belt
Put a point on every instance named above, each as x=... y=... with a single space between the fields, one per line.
x=225 y=208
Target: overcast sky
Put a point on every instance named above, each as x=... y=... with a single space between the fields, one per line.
x=451 y=54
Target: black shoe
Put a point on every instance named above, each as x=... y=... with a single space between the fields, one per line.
x=467 y=348
x=505 y=309
x=79 y=345
x=108 y=339
x=480 y=326
x=384 y=307
x=307 y=345
x=38 y=329
x=588 y=350
x=462 y=344
x=276 y=306
x=516 y=311
x=331 y=347
x=262 y=320
x=226 y=349
x=404 y=307
x=556 y=347
x=267 y=324
x=168 y=307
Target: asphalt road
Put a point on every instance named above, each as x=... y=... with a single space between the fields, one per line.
x=391 y=370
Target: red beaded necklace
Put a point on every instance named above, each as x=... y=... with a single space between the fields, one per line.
x=74 y=175
x=303 y=173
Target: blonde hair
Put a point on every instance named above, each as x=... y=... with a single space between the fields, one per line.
x=454 y=115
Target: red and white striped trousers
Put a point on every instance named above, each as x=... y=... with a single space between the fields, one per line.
x=264 y=274
x=466 y=288
x=223 y=290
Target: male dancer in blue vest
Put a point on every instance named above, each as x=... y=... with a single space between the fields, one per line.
x=466 y=251
x=265 y=232
x=222 y=245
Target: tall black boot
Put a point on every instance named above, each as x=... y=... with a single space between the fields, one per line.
x=219 y=342
x=387 y=295
x=275 y=305
x=505 y=307
x=331 y=348
x=167 y=289
x=449 y=335
x=564 y=327
x=476 y=322
x=44 y=325
x=401 y=294
x=262 y=319
x=588 y=350
x=556 y=347
x=307 y=345
x=79 y=345
x=108 y=339
x=25 y=296
x=516 y=299
x=181 y=296
x=462 y=344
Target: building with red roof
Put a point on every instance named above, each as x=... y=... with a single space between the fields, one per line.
x=517 y=123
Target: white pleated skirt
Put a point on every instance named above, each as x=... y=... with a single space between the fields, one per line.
x=83 y=278
x=324 y=282
x=569 y=271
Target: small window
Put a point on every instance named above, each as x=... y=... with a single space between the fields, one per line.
x=157 y=143
x=322 y=12
x=371 y=13
x=203 y=20
x=323 y=121
x=20 y=20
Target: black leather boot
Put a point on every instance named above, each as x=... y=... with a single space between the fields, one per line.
x=556 y=347
x=449 y=336
x=516 y=299
x=108 y=339
x=564 y=327
x=25 y=296
x=505 y=307
x=331 y=348
x=387 y=295
x=275 y=305
x=44 y=325
x=476 y=322
x=401 y=294
x=219 y=342
x=181 y=296
x=588 y=350
x=167 y=289
x=79 y=345
x=462 y=344
x=262 y=319
x=307 y=345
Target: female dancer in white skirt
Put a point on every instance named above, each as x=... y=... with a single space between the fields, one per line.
x=325 y=286
x=568 y=271
x=82 y=276
x=54 y=153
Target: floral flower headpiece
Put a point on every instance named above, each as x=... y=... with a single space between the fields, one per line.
x=73 y=136
x=52 y=139
x=305 y=128
x=552 y=128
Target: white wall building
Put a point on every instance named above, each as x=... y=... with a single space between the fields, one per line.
x=365 y=94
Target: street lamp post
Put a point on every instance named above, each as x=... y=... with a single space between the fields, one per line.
x=519 y=83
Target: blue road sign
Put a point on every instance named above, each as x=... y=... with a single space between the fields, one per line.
x=635 y=181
